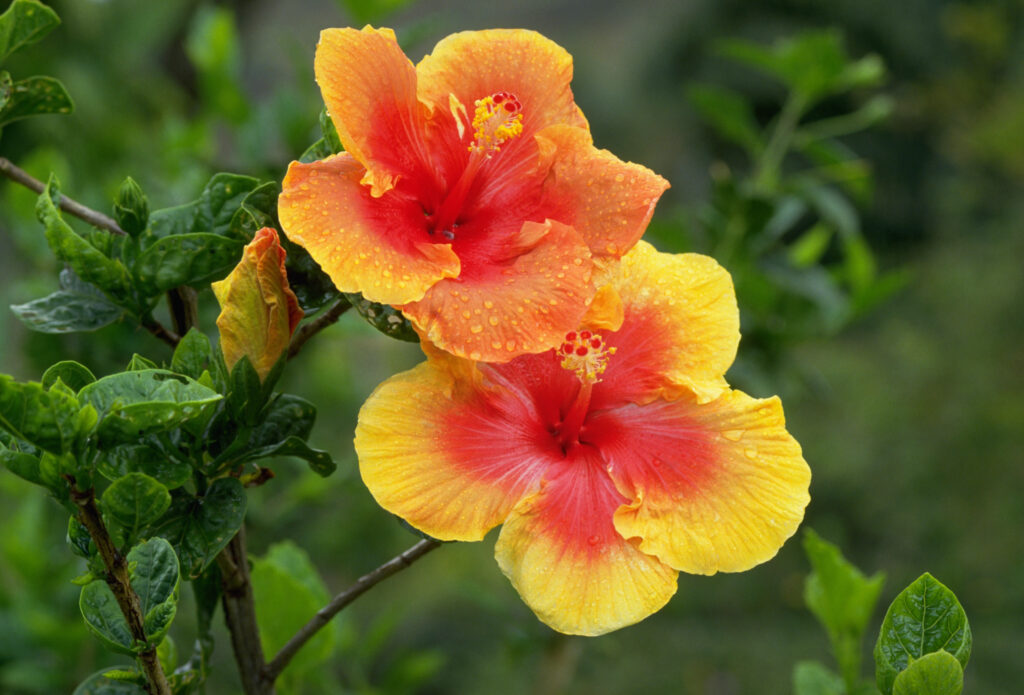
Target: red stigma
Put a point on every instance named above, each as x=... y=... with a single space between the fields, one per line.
x=570 y=336
x=585 y=335
x=581 y=351
x=595 y=343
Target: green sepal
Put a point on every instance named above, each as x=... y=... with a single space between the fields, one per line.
x=77 y=306
x=193 y=355
x=386 y=319
x=35 y=96
x=24 y=23
x=924 y=618
x=130 y=404
x=938 y=673
x=135 y=501
x=200 y=527
x=88 y=262
x=74 y=374
x=131 y=207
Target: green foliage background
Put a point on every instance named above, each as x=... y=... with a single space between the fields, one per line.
x=912 y=419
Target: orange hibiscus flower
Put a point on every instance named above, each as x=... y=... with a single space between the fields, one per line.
x=614 y=461
x=470 y=194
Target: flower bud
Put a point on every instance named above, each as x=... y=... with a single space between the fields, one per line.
x=131 y=208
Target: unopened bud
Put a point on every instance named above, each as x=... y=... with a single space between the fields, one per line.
x=131 y=208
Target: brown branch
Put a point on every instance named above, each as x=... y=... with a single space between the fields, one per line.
x=97 y=219
x=308 y=330
x=119 y=581
x=393 y=566
x=160 y=331
x=184 y=305
x=240 y=616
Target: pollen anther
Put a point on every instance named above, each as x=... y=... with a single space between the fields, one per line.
x=496 y=120
x=585 y=355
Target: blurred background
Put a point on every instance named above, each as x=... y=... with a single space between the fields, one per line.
x=873 y=219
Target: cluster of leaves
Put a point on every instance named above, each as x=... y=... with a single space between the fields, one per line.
x=922 y=647
x=787 y=226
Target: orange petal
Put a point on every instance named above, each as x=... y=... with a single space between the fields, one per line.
x=681 y=324
x=448 y=454
x=364 y=244
x=472 y=65
x=524 y=303
x=563 y=555
x=716 y=487
x=369 y=87
x=259 y=311
x=608 y=201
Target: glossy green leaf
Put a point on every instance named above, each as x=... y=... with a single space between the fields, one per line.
x=938 y=673
x=312 y=287
x=154 y=577
x=813 y=678
x=384 y=318
x=68 y=312
x=140 y=458
x=288 y=591
x=99 y=684
x=6 y=88
x=729 y=114
x=193 y=355
x=320 y=462
x=138 y=363
x=103 y=617
x=199 y=528
x=134 y=501
x=185 y=259
x=320 y=149
x=22 y=464
x=132 y=403
x=24 y=23
x=258 y=210
x=842 y=599
x=286 y=416
x=48 y=419
x=90 y=264
x=35 y=96
x=924 y=618
x=210 y=214
x=79 y=540
x=75 y=375
x=246 y=396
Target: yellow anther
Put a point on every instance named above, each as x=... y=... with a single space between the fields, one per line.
x=496 y=120
x=584 y=353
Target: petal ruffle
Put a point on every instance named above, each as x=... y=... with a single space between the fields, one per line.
x=523 y=301
x=357 y=239
x=608 y=201
x=369 y=87
x=681 y=326
x=476 y=64
x=564 y=557
x=717 y=486
x=447 y=453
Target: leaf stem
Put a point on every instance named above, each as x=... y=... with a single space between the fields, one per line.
x=97 y=219
x=119 y=581
x=240 y=616
x=393 y=566
x=325 y=319
x=767 y=169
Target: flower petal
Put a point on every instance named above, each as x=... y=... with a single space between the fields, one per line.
x=476 y=64
x=364 y=244
x=259 y=311
x=564 y=557
x=448 y=453
x=681 y=325
x=369 y=87
x=608 y=201
x=716 y=487
x=524 y=300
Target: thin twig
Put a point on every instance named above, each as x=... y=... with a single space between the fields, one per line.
x=393 y=566
x=97 y=219
x=240 y=616
x=161 y=331
x=308 y=330
x=119 y=581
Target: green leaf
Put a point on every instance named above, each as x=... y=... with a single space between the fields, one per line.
x=211 y=213
x=22 y=464
x=729 y=114
x=258 y=210
x=288 y=591
x=79 y=539
x=246 y=396
x=154 y=577
x=138 y=363
x=185 y=259
x=938 y=673
x=842 y=599
x=134 y=501
x=330 y=133
x=90 y=264
x=286 y=416
x=811 y=246
x=35 y=96
x=141 y=458
x=312 y=287
x=193 y=355
x=200 y=527
x=813 y=678
x=924 y=618
x=74 y=375
x=320 y=462
x=386 y=319
x=6 y=88
x=47 y=419
x=132 y=403
x=24 y=23
x=68 y=311
x=99 y=684
x=103 y=617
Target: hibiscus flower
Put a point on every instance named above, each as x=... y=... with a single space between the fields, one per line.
x=470 y=194
x=613 y=462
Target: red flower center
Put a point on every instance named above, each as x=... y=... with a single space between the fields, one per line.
x=584 y=353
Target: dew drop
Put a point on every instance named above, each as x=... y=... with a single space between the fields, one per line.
x=750 y=453
x=733 y=435
x=476 y=329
